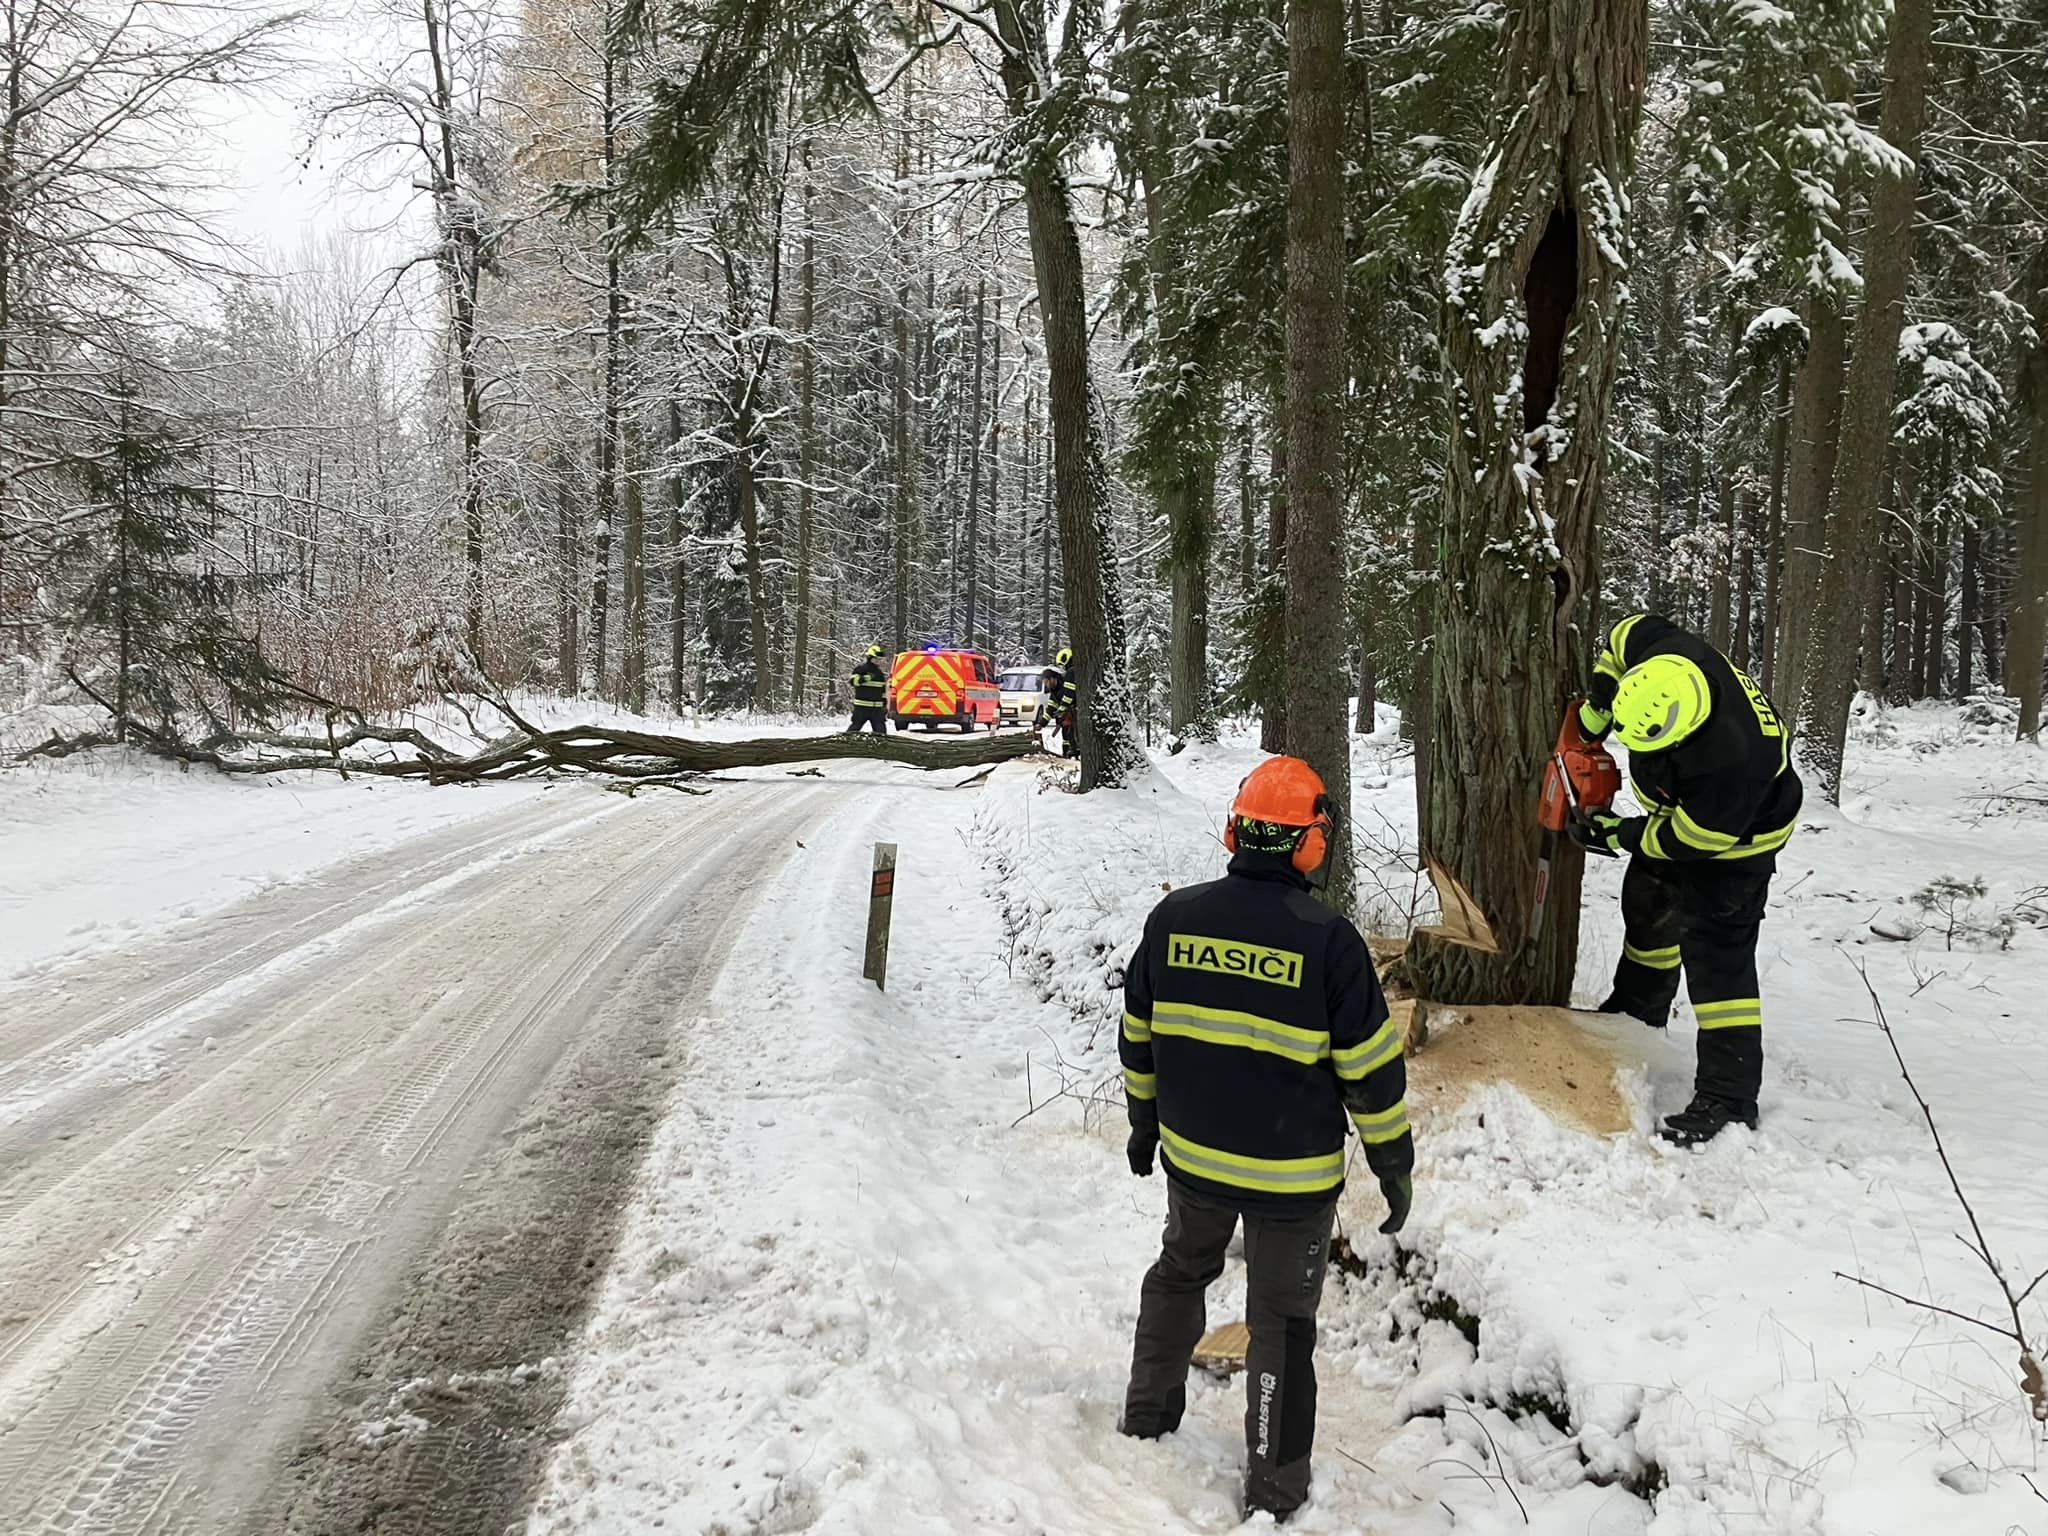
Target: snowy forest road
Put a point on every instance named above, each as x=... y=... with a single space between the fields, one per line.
x=267 y=1181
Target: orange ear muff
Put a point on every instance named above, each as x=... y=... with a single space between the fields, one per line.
x=1315 y=842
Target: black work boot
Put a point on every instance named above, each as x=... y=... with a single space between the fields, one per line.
x=1705 y=1118
x=1656 y=1018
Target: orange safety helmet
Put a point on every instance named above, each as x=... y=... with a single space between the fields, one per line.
x=1284 y=792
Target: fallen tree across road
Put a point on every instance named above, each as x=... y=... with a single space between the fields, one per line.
x=597 y=749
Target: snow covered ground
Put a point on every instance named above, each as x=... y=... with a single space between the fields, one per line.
x=882 y=1273
x=96 y=851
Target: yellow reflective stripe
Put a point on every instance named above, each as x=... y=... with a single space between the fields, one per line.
x=1765 y=842
x=1595 y=722
x=1652 y=843
x=1706 y=839
x=1730 y=1013
x=1273 y=1175
x=1223 y=1026
x=1656 y=959
x=1617 y=638
x=1381 y=1126
x=1607 y=666
x=1136 y=1030
x=1368 y=1056
x=1141 y=1085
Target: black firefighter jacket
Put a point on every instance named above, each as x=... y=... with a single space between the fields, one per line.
x=1726 y=792
x=1253 y=1024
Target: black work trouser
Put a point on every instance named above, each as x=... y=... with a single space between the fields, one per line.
x=874 y=715
x=1704 y=917
x=1286 y=1256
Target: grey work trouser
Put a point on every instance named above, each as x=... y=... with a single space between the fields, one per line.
x=1286 y=1256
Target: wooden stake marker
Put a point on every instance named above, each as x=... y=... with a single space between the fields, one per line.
x=881 y=899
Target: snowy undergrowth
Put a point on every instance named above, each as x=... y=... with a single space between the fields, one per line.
x=1622 y=1337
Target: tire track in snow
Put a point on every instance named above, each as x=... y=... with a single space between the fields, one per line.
x=142 y=1390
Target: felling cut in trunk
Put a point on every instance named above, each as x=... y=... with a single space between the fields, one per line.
x=1534 y=294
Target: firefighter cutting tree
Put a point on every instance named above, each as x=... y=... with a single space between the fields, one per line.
x=1710 y=759
x=1253 y=1024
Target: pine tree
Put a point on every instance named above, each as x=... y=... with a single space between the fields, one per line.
x=150 y=611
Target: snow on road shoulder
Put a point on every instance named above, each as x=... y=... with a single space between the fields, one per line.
x=96 y=852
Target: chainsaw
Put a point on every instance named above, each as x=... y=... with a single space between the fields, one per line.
x=1580 y=778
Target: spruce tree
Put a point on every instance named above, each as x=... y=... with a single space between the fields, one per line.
x=149 y=604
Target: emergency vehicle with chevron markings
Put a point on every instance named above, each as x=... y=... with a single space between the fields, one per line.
x=935 y=687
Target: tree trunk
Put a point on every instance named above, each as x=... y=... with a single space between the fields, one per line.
x=679 y=570
x=1538 y=253
x=1773 y=553
x=1273 y=700
x=1828 y=677
x=807 y=449
x=1966 y=619
x=1091 y=583
x=1247 y=521
x=633 y=614
x=1815 y=431
x=977 y=431
x=2026 y=635
x=567 y=625
x=1317 y=687
x=747 y=489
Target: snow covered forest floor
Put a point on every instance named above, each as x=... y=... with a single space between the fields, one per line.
x=884 y=1269
x=884 y=1261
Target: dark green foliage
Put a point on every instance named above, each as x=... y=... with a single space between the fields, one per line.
x=149 y=604
x=727 y=76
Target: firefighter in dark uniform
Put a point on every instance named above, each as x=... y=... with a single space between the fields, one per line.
x=1253 y=1027
x=1711 y=760
x=1062 y=693
x=870 y=694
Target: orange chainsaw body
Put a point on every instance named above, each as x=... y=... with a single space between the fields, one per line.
x=1580 y=773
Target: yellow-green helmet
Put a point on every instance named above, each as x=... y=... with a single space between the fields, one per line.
x=1065 y=656
x=874 y=650
x=1661 y=701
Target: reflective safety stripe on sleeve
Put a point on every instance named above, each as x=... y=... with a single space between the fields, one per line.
x=1704 y=838
x=1652 y=843
x=1141 y=1085
x=1224 y=1026
x=1763 y=842
x=1665 y=959
x=1136 y=1030
x=1594 y=722
x=1272 y=1175
x=1383 y=1125
x=1730 y=1013
x=1368 y=1056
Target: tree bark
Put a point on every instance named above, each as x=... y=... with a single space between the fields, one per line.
x=1829 y=675
x=679 y=567
x=1109 y=745
x=1815 y=428
x=567 y=624
x=976 y=432
x=1772 y=555
x=2026 y=636
x=633 y=612
x=1317 y=687
x=1537 y=289
x=1273 y=700
x=807 y=448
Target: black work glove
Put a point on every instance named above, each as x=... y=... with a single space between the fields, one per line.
x=1399 y=1188
x=1143 y=1143
x=1595 y=831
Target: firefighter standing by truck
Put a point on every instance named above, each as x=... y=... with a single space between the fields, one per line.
x=1062 y=695
x=870 y=689
x=1711 y=761
x=1253 y=1024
